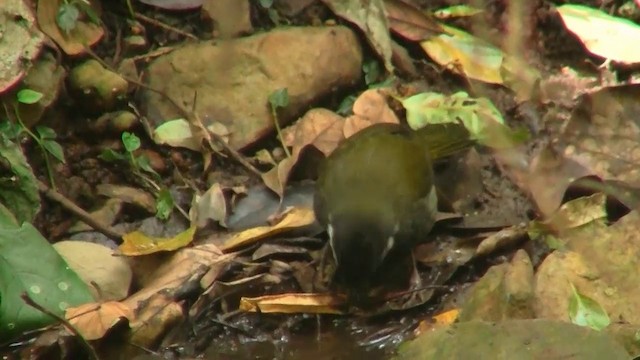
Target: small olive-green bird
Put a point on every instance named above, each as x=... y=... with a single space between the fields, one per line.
x=375 y=195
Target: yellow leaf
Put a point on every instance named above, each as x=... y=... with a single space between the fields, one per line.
x=136 y=243
x=296 y=218
x=294 y=303
x=466 y=55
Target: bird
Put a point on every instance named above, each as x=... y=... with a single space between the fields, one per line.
x=376 y=198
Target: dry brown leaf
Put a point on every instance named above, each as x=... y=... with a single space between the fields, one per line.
x=369 y=17
x=410 y=22
x=370 y=108
x=212 y=205
x=94 y=320
x=276 y=178
x=157 y=273
x=296 y=218
x=129 y=195
x=294 y=303
x=85 y=34
x=321 y=128
x=372 y=105
x=158 y=315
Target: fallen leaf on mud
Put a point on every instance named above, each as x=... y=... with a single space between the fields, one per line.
x=94 y=320
x=159 y=314
x=466 y=55
x=84 y=35
x=578 y=212
x=276 y=178
x=106 y=214
x=212 y=205
x=321 y=128
x=296 y=218
x=370 y=108
x=128 y=195
x=137 y=243
x=370 y=17
x=168 y=271
x=501 y=239
x=547 y=178
x=293 y=303
x=409 y=21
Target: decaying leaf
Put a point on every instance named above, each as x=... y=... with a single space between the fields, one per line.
x=137 y=243
x=370 y=17
x=94 y=320
x=294 y=303
x=84 y=35
x=295 y=218
x=410 y=22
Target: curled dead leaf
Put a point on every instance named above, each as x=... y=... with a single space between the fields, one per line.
x=93 y=320
x=294 y=303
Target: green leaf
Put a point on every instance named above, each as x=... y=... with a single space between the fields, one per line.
x=479 y=116
x=372 y=71
x=131 y=141
x=143 y=163
x=86 y=8
x=346 y=106
x=279 y=98
x=29 y=264
x=67 y=17
x=46 y=132
x=28 y=96
x=54 y=149
x=267 y=4
x=585 y=311
x=164 y=204
x=111 y=155
x=456 y=11
x=11 y=130
x=18 y=186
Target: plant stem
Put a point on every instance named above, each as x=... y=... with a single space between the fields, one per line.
x=278 y=130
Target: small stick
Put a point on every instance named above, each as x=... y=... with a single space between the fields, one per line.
x=164 y=26
x=90 y=350
x=79 y=212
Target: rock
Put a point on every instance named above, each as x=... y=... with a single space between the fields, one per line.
x=47 y=77
x=513 y=339
x=97 y=88
x=231 y=80
x=107 y=276
x=506 y=291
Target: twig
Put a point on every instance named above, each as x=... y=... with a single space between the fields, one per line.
x=79 y=212
x=90 y=350
x=164 y=26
